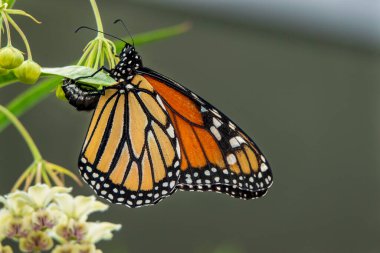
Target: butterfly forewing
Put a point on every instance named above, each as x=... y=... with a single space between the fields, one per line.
x=216 y=155
x=131 y=153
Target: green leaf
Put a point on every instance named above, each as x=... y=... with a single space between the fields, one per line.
x=74 y=71
x=38 y=92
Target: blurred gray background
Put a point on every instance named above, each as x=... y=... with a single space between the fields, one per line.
x=300 y=77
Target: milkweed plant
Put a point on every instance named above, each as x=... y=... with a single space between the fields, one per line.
x=40 y=213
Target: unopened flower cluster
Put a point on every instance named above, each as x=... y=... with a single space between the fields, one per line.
x=12 y=60
x=50 y=219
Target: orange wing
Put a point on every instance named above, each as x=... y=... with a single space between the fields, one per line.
x=131 y=154
x=216 y=155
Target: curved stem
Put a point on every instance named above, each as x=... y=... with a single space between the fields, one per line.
x=28 y=139
x=98 y=19
x=7 y=28
x=87 y=51
x=23 y=177
x=17 y=28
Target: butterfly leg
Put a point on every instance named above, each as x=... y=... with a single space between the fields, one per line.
x=93 y=74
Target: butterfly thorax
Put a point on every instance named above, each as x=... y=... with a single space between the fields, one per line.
x=129 y=62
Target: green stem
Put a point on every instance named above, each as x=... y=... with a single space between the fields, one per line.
x=17 y=28
x=98 y=19
x=28 y=139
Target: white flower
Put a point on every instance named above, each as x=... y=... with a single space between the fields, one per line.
x=5 y=219
x=80 y=207
x=42 y=214
x=39 y=196
x=15 y=206
x=98 y=231
x=69 y=247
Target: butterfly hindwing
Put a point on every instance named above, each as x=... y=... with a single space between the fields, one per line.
x=216 y=155
x=131 y=153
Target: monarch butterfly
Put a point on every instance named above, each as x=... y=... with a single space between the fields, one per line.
x=150 y=136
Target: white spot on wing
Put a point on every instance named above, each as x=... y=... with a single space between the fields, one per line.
x=215 y=112
x=170 y=131
x=240 y=139
x=160 y=102
x=217 y=123
x=216 y=133
x=178 y=150
x=263 y=167
x=231 y=159
x=234 y=142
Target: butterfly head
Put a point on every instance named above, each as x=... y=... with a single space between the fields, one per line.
x=130 y=62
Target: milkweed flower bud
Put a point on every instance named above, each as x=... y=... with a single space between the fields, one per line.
x=28 y=72
x=59 y=93
x=10 y=57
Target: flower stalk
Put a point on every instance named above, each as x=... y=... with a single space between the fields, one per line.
x=40 y=171
x=21 y=33
x=5 y=16
x=99 y=50
x=24 y=133
x=98 y=19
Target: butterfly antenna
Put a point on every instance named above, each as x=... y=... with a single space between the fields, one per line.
x=125 y=27
x=92 y=29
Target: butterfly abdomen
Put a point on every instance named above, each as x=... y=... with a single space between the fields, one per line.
x=82 y=99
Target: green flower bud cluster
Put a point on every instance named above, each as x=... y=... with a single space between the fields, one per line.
x=11 y=58
x=49 y=218
x=28 y=72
